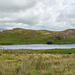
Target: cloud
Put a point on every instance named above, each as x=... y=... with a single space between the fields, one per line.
x=16 y=5
x=67 y=15
x=37 y=14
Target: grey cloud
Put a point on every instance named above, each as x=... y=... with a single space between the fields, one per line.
x=37 y=14
x=1 y=29
x=30 y=20
x=16 y=5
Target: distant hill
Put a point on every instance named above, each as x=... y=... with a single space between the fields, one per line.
x=25 y=36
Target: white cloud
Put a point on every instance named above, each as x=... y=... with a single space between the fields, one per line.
x=37 y=14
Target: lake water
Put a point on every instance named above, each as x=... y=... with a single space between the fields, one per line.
x=37 y=46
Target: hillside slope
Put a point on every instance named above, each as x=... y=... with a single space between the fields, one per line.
x=24 y=36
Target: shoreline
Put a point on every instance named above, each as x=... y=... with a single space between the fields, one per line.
x=44 y=51
x=39 y=43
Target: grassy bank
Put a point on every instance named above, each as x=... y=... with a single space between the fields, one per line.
x=49 y=51
x=22 y=36
x=34 y=62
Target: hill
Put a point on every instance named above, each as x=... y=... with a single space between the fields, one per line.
x=25 y=36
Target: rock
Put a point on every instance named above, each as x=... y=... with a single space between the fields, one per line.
x=5 y=31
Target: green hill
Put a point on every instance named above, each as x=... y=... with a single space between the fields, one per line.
x=24 y=36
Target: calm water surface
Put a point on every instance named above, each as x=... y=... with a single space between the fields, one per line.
x=37 y=46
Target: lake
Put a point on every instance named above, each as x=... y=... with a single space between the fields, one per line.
x=38 y=46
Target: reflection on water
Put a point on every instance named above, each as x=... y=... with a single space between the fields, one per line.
x=37 y=46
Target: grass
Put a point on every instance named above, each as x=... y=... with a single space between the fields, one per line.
x=22 y=36
x=37 y=62
x=49 y=51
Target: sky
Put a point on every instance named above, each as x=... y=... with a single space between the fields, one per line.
x=53 y=15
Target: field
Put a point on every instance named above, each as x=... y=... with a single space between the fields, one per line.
x=37 y=62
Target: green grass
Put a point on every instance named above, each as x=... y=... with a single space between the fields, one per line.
x=37 y=62
x=22 y=36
